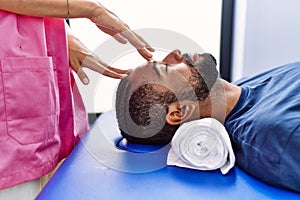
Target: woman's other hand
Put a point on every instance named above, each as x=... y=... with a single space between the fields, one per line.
x=80 y=56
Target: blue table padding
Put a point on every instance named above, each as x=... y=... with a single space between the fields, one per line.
x=100 y=168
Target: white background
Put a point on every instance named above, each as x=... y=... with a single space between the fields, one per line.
x=198 y=20
x=267 y=35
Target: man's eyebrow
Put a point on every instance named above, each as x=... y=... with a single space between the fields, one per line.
x=154 y=66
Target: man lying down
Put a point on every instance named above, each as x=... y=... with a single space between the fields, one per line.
x=261 y=114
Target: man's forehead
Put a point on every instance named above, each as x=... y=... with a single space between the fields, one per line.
x=139 y=73
x=161 y=86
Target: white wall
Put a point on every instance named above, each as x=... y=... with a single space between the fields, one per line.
x=266 y=35
x=194 y=21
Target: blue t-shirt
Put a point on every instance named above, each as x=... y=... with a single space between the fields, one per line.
x=264 y=126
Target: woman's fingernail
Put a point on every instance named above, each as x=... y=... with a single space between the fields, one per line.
x=85 y=81
x=124 y=76
x=151 y=49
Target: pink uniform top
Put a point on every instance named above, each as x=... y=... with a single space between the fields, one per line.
x=42 y=115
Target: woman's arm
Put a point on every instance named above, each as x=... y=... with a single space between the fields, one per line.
x=103 y=18
x=51 y=8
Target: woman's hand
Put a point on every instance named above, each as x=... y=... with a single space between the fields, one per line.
x=109 y=23
x=80 y=56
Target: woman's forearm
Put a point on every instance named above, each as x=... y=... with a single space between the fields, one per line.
x=51 y=8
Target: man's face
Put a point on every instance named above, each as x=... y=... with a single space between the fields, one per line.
x=172 y=72
x=154 y=89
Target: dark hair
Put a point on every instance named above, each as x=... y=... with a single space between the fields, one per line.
x=141 y=114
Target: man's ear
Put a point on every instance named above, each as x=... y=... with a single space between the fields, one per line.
x=180 y=112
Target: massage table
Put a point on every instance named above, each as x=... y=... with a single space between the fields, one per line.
x=104 y=166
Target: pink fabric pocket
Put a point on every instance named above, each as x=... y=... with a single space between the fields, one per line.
x=30 y=99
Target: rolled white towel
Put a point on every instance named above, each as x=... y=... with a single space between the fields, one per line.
x=202 y=144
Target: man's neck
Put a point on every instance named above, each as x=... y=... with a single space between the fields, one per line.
x=223 y=97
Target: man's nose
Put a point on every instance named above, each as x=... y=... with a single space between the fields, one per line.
x=173 y=57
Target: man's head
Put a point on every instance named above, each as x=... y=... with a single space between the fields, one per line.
x=157 y=97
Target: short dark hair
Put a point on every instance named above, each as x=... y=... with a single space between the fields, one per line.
x=141 y=114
